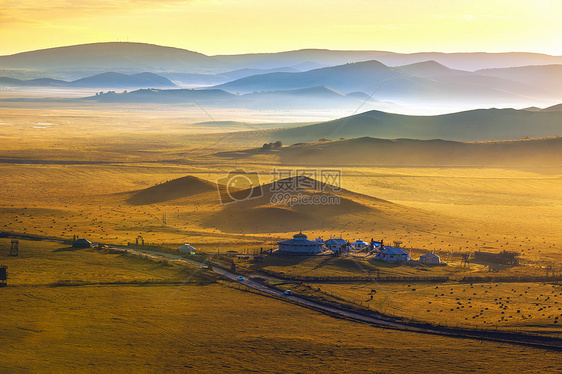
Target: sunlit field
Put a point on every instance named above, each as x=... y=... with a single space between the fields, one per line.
x=69 y=171
x=68 y=309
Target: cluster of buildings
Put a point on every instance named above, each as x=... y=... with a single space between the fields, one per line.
x=301 y=246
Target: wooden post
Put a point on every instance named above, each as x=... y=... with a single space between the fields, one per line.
x=14 y=249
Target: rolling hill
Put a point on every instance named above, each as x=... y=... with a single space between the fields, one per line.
x=204 y=97
x=411 y=152
x=104 y=80
x=117 y=80
x=324 y=57
x=421 y=82
x=340 y=209
x=554 y=108
x=473 y=125
x=171 y=190
x=363 y=76
x=116 y=56
x=548 y=77
x=306 y=98
x=313 y=205
x=38 y=82
x=128 y=57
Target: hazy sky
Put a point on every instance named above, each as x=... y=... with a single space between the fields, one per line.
x=241 y=26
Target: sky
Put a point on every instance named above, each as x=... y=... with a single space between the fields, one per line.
x=243 y=26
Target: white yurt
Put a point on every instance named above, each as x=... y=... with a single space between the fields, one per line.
x=430 y=258
x=300 y=246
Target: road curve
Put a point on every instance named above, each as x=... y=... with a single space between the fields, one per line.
x=499 y=336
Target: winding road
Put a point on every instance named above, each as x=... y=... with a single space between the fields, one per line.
x=539 y=341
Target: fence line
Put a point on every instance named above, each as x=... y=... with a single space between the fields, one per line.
x=442 y=279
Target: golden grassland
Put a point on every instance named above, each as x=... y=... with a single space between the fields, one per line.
x=532 y=307
x=90 y=201
x=510 y=305
x=48 y=326
x=46 y=264
x=75 y=309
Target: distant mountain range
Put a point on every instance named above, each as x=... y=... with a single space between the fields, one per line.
x=120 y=57
x=322 y=57
x=139 y=57
x=104 y=80
x=324 y=78
x=421 y=82
x=413 y=152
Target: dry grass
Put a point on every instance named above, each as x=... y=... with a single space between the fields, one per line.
x=102 y=323
x=528 y=306
x=148 y=328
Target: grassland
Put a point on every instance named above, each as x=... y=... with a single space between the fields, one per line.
x=84 y=310
x=52 y=327
x=523 y=306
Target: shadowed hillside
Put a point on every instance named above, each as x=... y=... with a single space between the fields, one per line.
x=474 y=125
x=174 y=189
x=334 y=208
x=554 y=108
x=369 y=151
x=412 y=152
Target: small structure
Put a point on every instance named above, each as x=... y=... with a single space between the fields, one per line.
x=299 y=246
x=359 y=244
x=430 y=259
x=187 y=249
x=81 y=243
x=375 y=245
x=3 y=276
x=335 y=244
x=503 y=258
x=139 y=240
x=14 y=249
x=391 y=254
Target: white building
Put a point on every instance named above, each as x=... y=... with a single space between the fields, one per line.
x=300 y=246
x=391 y=254
x=335 y=244
x=430 y=258
x=188 y=249
x=359 y=244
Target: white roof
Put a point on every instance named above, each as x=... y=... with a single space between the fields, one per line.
x=186 y=246
x=335 y=241
x=430 y=255
x=393 y=251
